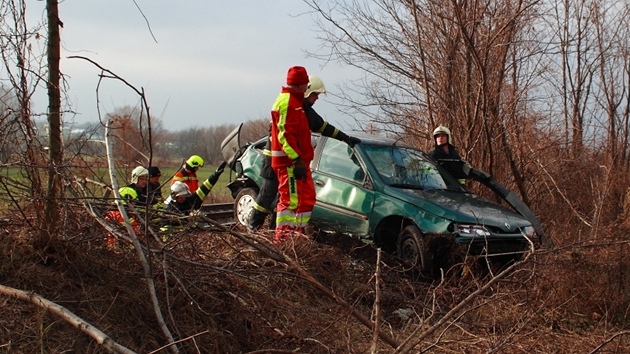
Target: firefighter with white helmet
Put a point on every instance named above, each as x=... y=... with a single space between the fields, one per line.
x=184 y=200
x=139 y=181
x=444 y=148
x=137 y=172
x=180 y=189
x=315 y=84
x=442 y=130
x=131 y=194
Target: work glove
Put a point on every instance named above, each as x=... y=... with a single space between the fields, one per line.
x=215 y=176
x=299 y=168
x=221 y=167
x=352 y=141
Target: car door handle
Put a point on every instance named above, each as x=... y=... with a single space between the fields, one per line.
x=319 y=182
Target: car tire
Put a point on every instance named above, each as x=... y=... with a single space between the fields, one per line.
x=243 y=206
x=411 y=249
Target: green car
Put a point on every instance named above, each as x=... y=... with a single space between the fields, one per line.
x=396 y=197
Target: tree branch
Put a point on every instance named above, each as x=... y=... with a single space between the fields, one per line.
x=100 y=337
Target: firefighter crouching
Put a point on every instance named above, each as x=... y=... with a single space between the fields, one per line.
x=128 y=195
x=183 y=201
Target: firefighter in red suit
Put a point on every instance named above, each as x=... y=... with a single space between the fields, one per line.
x=291 y=155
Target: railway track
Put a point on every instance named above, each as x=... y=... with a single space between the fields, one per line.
x=223 y=212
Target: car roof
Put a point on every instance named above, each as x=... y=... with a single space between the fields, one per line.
x=366 y=138
x=379 y=139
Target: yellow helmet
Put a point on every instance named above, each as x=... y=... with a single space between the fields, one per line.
x=195 y=161
x=128 y=193
x=442 y=130
x=315 y=84
x=137 y=172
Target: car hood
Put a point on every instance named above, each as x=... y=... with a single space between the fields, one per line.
x=462 y=207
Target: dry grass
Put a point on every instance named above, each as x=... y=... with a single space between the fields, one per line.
x=222 y=296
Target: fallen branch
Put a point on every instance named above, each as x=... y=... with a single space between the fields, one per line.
x=100 y=337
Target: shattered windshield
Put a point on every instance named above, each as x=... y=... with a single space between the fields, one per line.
x=408 y=168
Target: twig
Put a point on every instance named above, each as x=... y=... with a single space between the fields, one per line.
x=608 y=341
x=180 y=341
x=377 y=302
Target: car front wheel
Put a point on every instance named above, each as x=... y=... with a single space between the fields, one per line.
x=411 y=249
x=243 y=205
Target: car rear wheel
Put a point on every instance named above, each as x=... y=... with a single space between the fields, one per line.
x=411 y=249
x=243 y=205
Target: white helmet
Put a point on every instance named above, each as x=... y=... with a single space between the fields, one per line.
x=137 y=172
x=315 y=84
x=179 y=189
x=442 y=130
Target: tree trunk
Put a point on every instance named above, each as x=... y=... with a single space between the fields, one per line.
x=51 y=222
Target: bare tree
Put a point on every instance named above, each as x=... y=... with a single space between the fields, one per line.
x=9 y=127
x=456 y=63
x=613 y=80
x=24 y=70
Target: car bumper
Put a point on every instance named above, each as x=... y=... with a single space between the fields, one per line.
x=493 y=247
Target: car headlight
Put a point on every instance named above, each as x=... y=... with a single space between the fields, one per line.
x=529 y=231
x=239 y=168
x=472 y=230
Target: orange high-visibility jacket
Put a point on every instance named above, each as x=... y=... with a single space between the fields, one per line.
x=188 y=177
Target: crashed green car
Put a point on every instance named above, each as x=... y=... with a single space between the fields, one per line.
x=396 y=197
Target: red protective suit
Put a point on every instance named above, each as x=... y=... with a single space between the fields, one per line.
x=115 y=216
x=290 y=140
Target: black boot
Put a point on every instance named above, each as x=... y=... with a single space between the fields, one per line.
x=272 y=221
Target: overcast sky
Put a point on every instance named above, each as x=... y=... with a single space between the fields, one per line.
x=212 y=62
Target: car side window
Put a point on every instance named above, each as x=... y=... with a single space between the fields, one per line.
x=404 y=166
x=338 y=160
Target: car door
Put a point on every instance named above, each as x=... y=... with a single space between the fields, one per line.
x=343 y=203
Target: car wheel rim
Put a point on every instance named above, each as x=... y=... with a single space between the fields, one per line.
x=244 y=209
x=410 y=251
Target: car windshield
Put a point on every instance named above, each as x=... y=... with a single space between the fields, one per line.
x=406 y=167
